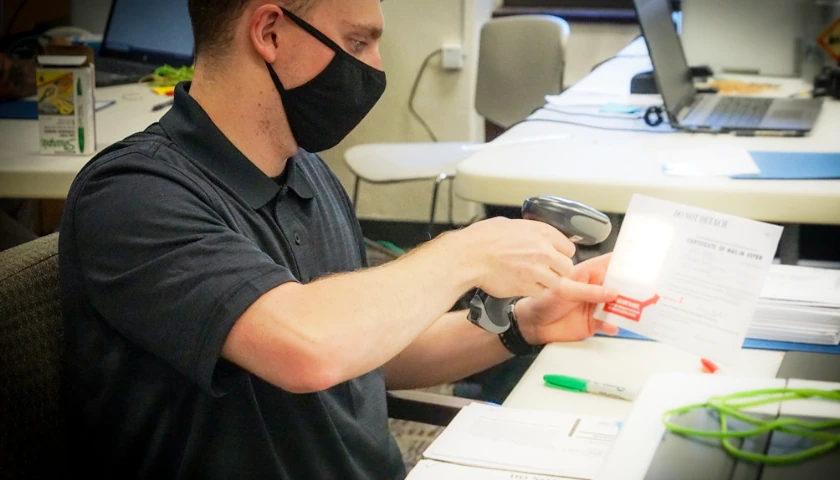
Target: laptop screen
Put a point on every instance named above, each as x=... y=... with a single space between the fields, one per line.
x=670 y=68
x=149 y=31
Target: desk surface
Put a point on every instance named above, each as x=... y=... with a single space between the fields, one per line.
x=24 y=173
x=604 y=168
x=630 y=363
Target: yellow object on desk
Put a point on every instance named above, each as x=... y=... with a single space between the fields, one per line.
x=168 y=76
x=737 y=87
x=164 y=90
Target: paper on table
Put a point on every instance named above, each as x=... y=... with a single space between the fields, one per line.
x=811 y=407
x=432 y=470
x=814 y=336
x=586 y=99
x=688 y=277
x=706 y=161
x=798 y=304
x=816 y=286
x=528 y=441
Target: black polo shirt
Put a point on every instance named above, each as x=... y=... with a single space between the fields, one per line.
x=167 y=238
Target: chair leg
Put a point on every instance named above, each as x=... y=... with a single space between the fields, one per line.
x=356 y=193
x=440 y=178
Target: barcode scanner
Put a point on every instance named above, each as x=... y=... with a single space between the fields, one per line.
x=581 y=223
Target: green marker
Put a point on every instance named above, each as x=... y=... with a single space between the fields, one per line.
x=80 y=116
x=574 y=384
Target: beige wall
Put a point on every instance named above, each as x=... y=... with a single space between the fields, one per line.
x=445 y=99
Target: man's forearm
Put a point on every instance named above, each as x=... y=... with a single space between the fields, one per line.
x=344 y=326
x=311 y=337
x=451 y=349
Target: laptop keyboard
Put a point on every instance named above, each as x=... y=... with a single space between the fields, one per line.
x=123 y=67
x=739 y=112
x=111 y=71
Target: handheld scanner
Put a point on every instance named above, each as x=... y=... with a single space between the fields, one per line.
x=581 y=223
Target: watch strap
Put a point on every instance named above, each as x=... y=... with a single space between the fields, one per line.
x=512 y=338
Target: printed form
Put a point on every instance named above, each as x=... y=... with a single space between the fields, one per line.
x=688 y=277
x=433 y=470
x=525 y=441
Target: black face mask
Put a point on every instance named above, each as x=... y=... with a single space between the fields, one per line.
x=324 y=110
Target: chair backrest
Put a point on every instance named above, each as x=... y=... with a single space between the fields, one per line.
x=32 y=433
x=521 y=59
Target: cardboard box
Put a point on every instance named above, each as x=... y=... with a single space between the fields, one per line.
x=66 y=116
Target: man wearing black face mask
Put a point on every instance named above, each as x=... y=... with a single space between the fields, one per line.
x=219 y=321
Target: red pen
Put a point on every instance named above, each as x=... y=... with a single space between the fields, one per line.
x=708 y=365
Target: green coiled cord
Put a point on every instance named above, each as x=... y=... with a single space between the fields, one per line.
x=732 y=405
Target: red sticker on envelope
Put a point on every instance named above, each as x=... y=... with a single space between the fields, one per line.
x=629 y=308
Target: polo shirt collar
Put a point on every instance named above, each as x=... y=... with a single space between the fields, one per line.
x=193 y=130
x=297 y=179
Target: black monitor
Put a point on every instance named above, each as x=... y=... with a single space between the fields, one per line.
x=155 y=32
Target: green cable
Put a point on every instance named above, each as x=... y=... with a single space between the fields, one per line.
x=390 y=246
x=729 y=406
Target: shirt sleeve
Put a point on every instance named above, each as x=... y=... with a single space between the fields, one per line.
x=164 y=266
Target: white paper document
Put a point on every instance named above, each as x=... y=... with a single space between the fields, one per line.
x=799 y=304
x=597 y=99
x=432 y=470
x=706 y=161
x=803 y=285
x=527 y=441
x=687 y=276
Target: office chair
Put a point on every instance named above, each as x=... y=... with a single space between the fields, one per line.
x=521 y=59
x=32 y=431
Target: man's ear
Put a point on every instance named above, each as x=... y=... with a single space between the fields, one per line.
x=266 y=22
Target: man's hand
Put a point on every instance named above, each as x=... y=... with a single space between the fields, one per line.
x=515 y=257
x=564 y=314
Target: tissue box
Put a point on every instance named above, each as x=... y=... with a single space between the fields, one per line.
x=66 y=117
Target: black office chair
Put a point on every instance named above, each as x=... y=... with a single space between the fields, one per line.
x=32 y=431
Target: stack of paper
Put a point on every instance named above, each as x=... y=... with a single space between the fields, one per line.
x=799 y=304
x=509 y=440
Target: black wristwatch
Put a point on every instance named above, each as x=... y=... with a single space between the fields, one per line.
x=497 y=315
x=512 y=338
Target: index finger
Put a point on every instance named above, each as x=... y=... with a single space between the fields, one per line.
x=574 y=291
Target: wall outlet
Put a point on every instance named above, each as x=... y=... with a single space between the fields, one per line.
x=452 y=57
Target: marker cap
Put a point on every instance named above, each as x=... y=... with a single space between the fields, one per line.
x=571 y=384
x=708 y=365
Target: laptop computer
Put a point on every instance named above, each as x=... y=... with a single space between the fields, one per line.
x=142 y=35
x=688 y=110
